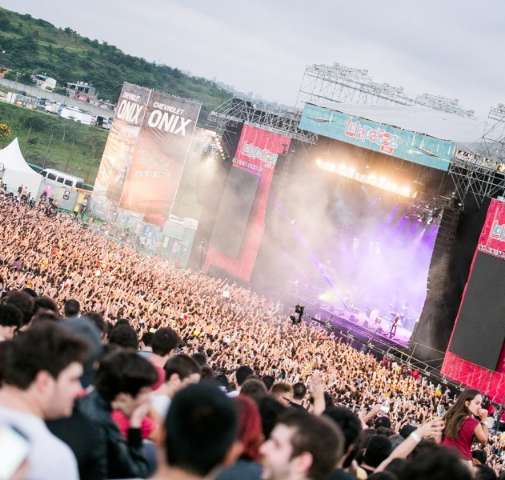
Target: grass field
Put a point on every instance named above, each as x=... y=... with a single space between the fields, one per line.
x=50 y=141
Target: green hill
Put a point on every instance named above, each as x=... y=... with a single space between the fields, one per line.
x=50 y=141
x=29 y=45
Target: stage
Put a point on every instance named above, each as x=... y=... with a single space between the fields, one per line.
x=359 y=322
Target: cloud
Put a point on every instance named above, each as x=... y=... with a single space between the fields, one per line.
x=264 y=46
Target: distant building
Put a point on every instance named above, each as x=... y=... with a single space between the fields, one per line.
x=44 y=82
x=82 y=91
x=21 y=100
x=106 y=106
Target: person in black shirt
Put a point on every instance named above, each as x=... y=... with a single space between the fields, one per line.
x=124 y=379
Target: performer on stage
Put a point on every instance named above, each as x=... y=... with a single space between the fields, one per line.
x=394 y=326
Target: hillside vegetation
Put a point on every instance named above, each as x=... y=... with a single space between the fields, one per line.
x=50 y=141
x=29 y=45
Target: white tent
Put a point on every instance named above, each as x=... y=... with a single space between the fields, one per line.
x=17 y=172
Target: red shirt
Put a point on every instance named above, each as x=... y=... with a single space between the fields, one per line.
x=463 y=442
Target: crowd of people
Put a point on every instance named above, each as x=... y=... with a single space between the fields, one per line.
x=117 y=365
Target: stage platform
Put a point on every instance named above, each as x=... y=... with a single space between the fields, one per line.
x=361 y=325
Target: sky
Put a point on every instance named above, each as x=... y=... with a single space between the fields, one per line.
x=445 y=47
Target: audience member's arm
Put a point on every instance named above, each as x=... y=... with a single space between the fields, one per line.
x=367 y=417
x=128 y=457
x=481 y=431
x=431 y=429
x=317 y=391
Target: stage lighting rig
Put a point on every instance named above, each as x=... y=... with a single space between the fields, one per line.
x=367 y=177
x=426 y=212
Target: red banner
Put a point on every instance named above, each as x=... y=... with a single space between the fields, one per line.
x=257 y=152
x=492 y=237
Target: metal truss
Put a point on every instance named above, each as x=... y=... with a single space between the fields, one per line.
x=263 y=115
x=493 y=139
x=482 y=173
x=329 y=85
x=476 y=175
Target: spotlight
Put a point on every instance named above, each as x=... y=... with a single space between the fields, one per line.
x=405 y=191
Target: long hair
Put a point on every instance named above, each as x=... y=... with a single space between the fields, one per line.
x=458 y=412
x=249 y=431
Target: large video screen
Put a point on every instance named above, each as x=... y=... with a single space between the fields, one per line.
x=483 y=299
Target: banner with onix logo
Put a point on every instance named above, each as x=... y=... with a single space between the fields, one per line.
x=117 y=156
x=145 y=155
x=159 y=156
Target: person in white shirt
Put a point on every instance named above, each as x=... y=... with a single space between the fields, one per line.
x=41 y=369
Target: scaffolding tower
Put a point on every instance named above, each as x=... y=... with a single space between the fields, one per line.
x=473 y=174
x=329 y=85
x=480 y=171
x=493 y=140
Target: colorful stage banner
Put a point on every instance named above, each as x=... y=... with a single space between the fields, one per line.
x=257 y=153
x=145 y=154
x=407 y=145
x=159 y=157
x=259 y=149
x=117 y=156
